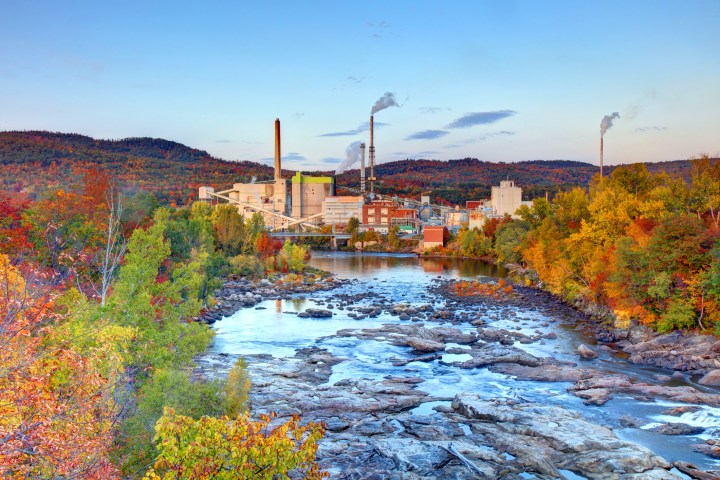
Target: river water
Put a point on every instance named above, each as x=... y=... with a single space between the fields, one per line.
x=272 y=328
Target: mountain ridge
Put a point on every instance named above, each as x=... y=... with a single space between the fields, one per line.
x=34 y=160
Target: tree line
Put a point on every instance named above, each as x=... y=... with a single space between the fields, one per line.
x=645 y=245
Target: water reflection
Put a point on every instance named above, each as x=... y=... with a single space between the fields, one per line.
x=394 y=266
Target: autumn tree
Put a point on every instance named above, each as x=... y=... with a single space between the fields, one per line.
x=56 y=412
x=225 y=448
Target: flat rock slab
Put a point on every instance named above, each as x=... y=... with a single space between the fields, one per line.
x=549 y=439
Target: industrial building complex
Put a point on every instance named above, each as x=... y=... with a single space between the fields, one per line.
x=304 y=203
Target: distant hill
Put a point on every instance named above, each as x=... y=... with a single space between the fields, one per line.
x=172 y=171
x=34 y=161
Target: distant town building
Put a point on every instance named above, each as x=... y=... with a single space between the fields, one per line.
x=435 y=236
x=476 y=219
x=455 y=219
x=380 y=215
x=425 y=198
x=406 y=219
x=506 y=198
x=339 y=210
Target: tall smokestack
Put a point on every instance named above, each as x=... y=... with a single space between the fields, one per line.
x=372 y=156
x=278 y=174
x=601 y=156
x=362 y=167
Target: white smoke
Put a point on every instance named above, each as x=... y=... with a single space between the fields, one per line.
x=352 y=155
x=607 y=122
x=387 y=100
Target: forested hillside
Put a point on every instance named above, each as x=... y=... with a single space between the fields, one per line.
x=33 y=161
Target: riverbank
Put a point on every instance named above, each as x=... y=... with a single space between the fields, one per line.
x=687 y=352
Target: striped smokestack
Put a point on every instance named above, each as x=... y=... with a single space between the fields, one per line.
x=278 y=174
x=601 y=156
x=362 y=167
x=372 y=156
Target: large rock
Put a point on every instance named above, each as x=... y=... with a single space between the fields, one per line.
x=711 y=378
x=491 y=354
x=552 y=438
x=424 y=345
x=586 y=353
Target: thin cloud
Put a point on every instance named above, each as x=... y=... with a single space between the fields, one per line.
x=331 y=160
x=427 y=135
x=487 y=136
x=650 y=129
x=224 y=140
x=431 y=110
x=290 y=157
x=481 y=138
x=364 y=127
x=480 y=118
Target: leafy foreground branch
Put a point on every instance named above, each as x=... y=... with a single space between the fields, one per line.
x=222 y=448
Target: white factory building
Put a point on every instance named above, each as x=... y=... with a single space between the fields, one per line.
x=505 y=199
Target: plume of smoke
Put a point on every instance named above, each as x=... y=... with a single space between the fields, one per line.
x=387 y=100
x=352 y=155
x=607 y=122
x=253 y=179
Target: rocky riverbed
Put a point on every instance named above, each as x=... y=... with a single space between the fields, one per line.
x=438 y=386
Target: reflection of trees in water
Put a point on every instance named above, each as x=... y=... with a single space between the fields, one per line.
x=367 y=264
x=297 y=303
x=466 y=268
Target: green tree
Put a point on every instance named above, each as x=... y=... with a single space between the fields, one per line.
x=229 y=228
x=253 y=231
x=508 y=239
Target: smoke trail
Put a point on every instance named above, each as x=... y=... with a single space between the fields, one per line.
x=607 y=122
x=352 y=155
x=387 y=100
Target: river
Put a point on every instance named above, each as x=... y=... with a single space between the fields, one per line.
x=274 y=328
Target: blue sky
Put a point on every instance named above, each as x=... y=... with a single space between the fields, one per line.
x=498 y=80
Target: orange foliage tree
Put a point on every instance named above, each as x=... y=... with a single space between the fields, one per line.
x=55 y=409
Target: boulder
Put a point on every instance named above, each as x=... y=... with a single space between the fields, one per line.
x=586 y=353
x=424 y=345
x=712 y=378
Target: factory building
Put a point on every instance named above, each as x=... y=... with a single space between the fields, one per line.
x=270 y=196
x=308 y=194
x=406 y=219
x=339 y=210
x=506 y=198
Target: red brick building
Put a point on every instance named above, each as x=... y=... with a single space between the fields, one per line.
x=382 y=214
x=435 y=236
